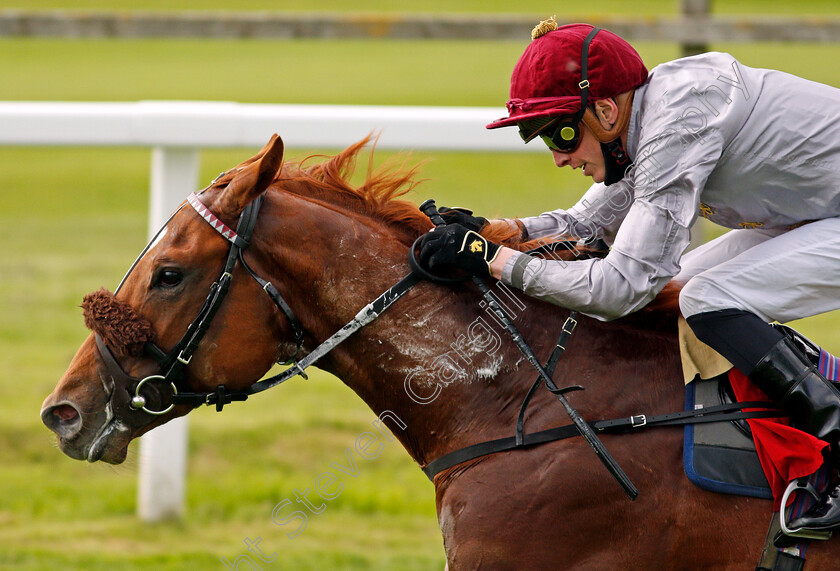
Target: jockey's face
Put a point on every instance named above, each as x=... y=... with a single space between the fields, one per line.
x=587 y=156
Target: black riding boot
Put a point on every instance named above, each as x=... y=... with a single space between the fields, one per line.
x=813 y=404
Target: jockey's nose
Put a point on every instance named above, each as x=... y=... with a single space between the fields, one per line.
x=62 y=418
x=561 y=159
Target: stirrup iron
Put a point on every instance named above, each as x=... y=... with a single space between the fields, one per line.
x=800 y=485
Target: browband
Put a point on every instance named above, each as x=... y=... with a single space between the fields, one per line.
x=220 y=227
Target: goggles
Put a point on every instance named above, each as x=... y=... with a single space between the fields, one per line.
x=558 y=133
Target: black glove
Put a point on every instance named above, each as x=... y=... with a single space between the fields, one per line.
x=455 y=246
x=462 y=216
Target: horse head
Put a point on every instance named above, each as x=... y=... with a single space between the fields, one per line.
x=94 y=409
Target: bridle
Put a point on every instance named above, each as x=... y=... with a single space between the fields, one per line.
x=127 y=396
x=128 y=403
x=130 y=394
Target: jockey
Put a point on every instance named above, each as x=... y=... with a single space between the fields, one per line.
x=754 y=150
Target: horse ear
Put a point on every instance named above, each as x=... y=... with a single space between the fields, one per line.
x=253 y=179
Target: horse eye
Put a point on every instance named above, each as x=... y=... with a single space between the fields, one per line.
x=169 y=278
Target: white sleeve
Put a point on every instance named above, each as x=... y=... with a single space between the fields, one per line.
x=598 y=214
x=647 y=247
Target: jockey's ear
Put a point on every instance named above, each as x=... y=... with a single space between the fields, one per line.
x=253 y=180
x=607 y=112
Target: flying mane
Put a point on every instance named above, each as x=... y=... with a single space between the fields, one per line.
x=378 y=196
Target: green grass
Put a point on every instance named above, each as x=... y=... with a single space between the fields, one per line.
x=538 y=7
x=312 y=71
x=59 y=513
x=74 y=218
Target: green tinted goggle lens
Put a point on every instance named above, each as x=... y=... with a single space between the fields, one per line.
x=549 y=142
x=531 y=128
x=563 y=138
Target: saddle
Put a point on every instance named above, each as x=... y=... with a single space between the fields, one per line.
x=721 y=456
x=762 y=458
x=756 y=458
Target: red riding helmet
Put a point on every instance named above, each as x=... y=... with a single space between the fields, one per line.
x=546 y=80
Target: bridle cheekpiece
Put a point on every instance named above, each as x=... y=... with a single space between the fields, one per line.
x=173 y=363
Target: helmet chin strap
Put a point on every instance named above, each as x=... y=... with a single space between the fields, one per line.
x=616 y=160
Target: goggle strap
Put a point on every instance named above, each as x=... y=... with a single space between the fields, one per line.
x=584 y=73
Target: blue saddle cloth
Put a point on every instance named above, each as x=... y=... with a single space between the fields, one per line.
x=719 y=456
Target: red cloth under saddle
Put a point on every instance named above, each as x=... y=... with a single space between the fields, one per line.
x=785 y=453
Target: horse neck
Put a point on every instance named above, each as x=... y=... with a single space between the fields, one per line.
x=438 y=359
x=455 y=377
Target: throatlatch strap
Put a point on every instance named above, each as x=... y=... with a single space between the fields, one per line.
x=281 y=304
x=367 y=314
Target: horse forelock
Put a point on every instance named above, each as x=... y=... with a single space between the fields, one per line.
x=119 y=325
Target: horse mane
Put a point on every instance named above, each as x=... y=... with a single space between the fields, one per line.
x=377 y=197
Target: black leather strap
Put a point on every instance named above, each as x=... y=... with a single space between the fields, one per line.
x=558 y=351
x=368 y=313
x=220 y=397
x=280 y=303
x=788 y=562
x=720 y=413
x=584 y=74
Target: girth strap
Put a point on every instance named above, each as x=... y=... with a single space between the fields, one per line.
x=720 y=413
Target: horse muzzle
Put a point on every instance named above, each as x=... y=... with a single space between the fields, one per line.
x=86 y=436
x=98 y=425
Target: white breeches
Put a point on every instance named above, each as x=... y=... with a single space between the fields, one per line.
x=779 y=275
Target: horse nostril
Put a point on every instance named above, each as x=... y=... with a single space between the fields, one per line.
x=63 y=419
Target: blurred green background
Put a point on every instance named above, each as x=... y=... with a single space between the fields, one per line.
x=74 y=218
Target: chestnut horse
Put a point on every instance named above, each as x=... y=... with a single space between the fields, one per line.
x=436 y=360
